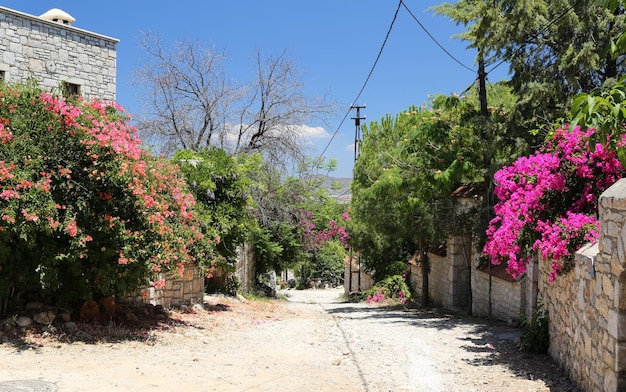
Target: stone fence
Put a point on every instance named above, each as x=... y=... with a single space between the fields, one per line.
x=448 y=284
x=184 y=290
x=587 y=306
x=497 y=294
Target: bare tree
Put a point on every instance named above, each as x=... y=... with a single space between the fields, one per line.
x=193 y=104
x=275 y=110
x=187 y=95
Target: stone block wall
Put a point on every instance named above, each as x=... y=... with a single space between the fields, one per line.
x=587 y=306
x=459 y=252
x=507 y=297
x=184 y=290
x=52 y=53
x=439 y=284
x=448 y=284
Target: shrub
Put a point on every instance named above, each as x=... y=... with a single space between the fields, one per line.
x=85 y=211
x=393 y=287
x=536 y=337
x=548 y=201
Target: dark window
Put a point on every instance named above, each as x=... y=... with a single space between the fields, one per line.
x=70 y=89
x=2 y=76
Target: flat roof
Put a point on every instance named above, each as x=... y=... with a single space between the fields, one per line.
x=63 y=26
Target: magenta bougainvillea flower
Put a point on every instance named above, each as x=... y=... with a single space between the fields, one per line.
x=549 y=200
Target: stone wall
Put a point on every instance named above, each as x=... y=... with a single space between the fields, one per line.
x=439 y=293
x=184 y=290
x=459 y=252
x=587 y=306
x=439 y=283
x=53 y=53
x=507 y=295
x=448 y=284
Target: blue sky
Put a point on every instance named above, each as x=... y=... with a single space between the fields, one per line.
x=333 y=42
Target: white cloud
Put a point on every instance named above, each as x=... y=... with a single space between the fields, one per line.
x=308 y=132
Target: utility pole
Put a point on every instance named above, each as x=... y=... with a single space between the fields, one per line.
x=357 y=124
x=357 y=139
x=482 y=85
x=484 y=112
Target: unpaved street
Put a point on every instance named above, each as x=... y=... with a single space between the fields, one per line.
x=314 y=342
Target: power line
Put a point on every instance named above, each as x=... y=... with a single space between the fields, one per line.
x=541 y=30
x=380 y=52
x=434 y=39
x=516 y=52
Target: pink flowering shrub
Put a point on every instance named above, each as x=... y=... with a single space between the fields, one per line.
x=391 y=288
x=316 y=237
x=378 y=296
x=548 y=201
x=84 y=210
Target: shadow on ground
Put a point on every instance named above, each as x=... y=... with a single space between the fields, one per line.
x=497 y=341
x=141 y=327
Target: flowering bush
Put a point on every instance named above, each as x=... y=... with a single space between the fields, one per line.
x=548 y=201
x=393 y=287
x=84 y=211
x=315 y=238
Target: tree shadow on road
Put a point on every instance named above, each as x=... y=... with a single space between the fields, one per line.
x=490 y=342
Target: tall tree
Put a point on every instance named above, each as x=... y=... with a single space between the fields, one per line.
x=193 y=104
x=274 y=110
x=187 y=94
x=403 y=179
x=555 y=49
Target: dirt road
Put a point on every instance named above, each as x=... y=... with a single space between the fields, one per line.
x=313 y=342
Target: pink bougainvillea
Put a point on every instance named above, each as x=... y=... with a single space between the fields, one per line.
x=78 y=195
x=548 y=201
x=315 y=238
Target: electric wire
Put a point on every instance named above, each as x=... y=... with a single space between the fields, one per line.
x=380 y=52
x=541 y=30
x=434 y=39
x=400 y=5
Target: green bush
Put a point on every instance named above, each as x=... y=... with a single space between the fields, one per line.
x=536 y=337
x=85 y=211
x=392 y=287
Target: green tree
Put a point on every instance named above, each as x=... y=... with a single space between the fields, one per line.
x=403 y=179
x=221 y=185
x=603 y=108
x=409 y=167
x=555 y=49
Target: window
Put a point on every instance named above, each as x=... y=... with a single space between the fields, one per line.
x=70 y=89
x=2 y=76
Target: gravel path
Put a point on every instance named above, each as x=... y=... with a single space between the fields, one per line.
x=417 y=350
x=313 y=342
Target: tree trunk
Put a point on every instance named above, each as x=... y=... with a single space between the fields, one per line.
x=425 y=263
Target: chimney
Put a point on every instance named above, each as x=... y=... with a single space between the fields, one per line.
x=58 y=16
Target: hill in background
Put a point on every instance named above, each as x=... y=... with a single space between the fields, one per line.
x=338 y=188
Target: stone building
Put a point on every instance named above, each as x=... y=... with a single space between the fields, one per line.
x=57 y=55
